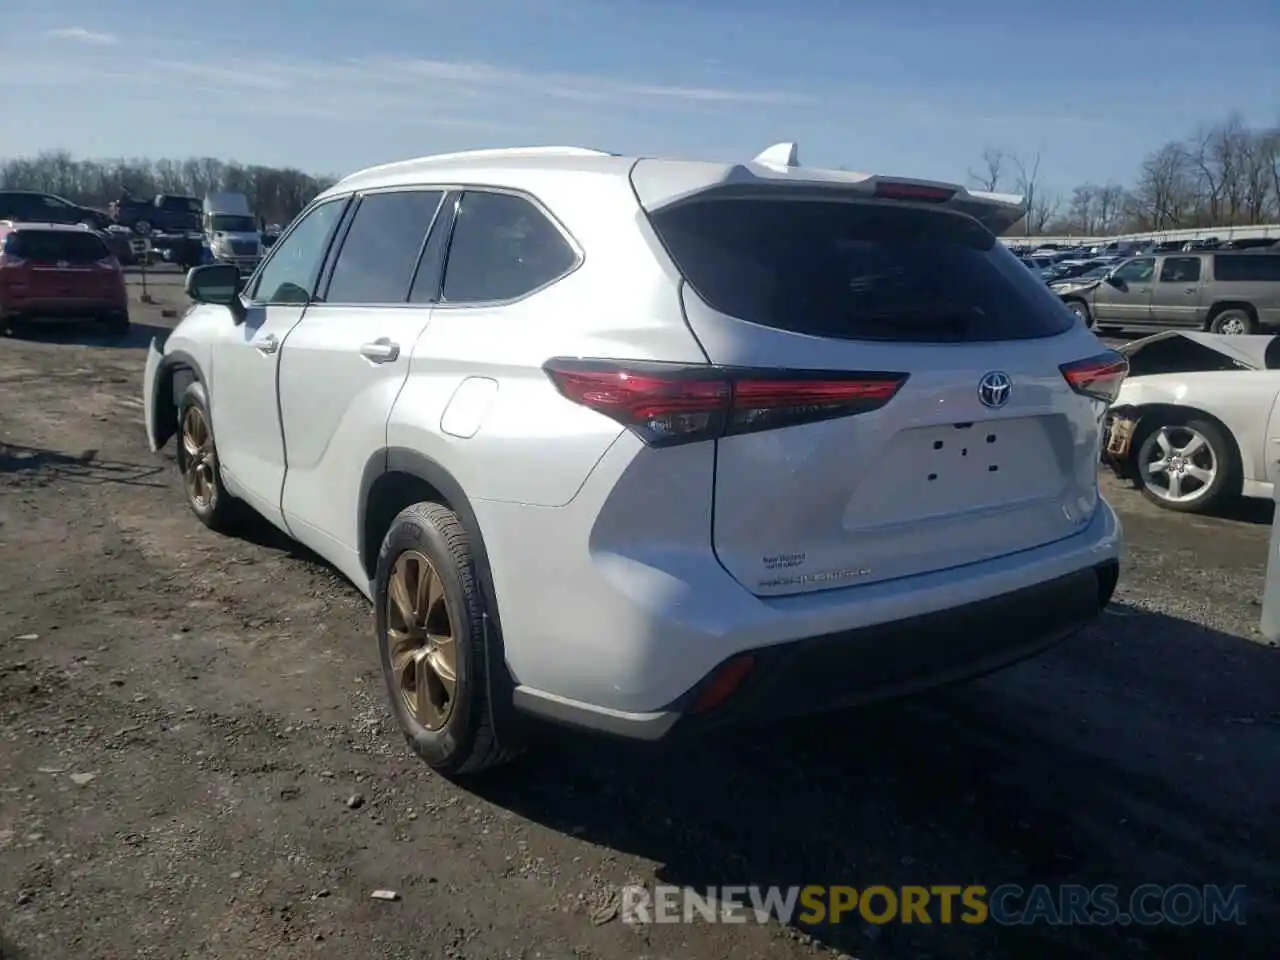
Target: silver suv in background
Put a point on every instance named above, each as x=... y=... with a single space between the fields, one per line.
x=646 y=446
x=1235 y=292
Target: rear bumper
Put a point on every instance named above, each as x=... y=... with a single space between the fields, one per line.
x=890 y=660
x=857 y=667
x=60 y=309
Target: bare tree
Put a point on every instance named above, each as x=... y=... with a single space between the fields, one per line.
x=1040 y=209
x=987 y=177
x=1165 y=195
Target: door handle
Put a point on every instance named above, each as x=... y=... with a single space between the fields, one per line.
x=268 y=344
x=381 y=350
x=1189 y=290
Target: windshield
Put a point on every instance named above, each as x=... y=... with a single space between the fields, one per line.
x=232 y=223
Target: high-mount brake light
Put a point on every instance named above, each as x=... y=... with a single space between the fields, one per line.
x=1098 y=377
x=920 y=192
x=671 y=403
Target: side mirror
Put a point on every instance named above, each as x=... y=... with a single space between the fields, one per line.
x=1114 y=281
x=219 y=284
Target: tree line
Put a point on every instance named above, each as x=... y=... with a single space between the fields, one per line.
x=1224 y=175
x=277 y=194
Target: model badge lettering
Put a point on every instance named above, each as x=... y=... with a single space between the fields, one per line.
x=828 y=576
x=784 y=561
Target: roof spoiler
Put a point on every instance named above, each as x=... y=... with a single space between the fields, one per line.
x=662 y=186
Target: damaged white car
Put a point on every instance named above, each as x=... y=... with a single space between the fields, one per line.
x=1196 y=422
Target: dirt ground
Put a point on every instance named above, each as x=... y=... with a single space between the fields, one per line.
x=196 y=759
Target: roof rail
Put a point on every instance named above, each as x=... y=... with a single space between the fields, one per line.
x=490 y=154
x=500 y=152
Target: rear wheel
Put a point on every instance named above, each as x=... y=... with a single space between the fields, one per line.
x=1190 y=466
x=1234 y=323
x=431 y=639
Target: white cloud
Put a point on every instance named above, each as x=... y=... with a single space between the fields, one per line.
x=83 y=35
x=435 y=85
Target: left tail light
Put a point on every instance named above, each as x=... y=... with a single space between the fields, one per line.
x=9 y=260
x=670 y=403
x=1098 y=377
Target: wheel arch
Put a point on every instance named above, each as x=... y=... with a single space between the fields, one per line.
x=395 y=477
x=1222 y=306
x=177 y=371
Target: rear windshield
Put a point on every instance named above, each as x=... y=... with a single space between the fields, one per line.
x=72 y=246
x=857 y=271
x=1246 y=267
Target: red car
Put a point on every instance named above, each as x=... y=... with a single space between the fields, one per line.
x=50 y=270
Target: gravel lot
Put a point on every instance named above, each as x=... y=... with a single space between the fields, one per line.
x=197 y=760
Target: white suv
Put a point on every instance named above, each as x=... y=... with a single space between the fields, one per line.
x=644 y=445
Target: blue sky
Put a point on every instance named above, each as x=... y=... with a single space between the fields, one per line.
x=908 y=87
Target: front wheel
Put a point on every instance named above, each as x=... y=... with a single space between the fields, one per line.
x=207 y=497
x=431 y=639
x=1189 y=466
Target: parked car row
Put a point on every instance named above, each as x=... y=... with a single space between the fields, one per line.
x=183 y=230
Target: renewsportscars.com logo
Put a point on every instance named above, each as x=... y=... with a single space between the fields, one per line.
x=1006 y=905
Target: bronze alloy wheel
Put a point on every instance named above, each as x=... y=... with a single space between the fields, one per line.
x=421 y=641
x=199 y=460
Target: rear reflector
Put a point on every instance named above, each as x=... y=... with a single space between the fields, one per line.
x=890 y=190
x=1098 y=377
x=723 y=683
x=671 y=403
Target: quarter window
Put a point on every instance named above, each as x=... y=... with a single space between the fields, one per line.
x=503 y=247
x=291 y=273
x=380 y=251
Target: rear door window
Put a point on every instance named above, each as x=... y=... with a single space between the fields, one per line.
x=381 y=249
x=55 y=246
x=1180 y=270
x=857 y=270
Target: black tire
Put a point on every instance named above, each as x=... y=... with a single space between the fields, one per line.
x=466 y=743
x=1081 y=310
x=218 y=509
x=1226 y=483
x=116 y=324
x=1241 y=320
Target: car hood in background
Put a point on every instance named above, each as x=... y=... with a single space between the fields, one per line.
x=1072 y=286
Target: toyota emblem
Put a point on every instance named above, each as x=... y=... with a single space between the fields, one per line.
x=993 y=389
